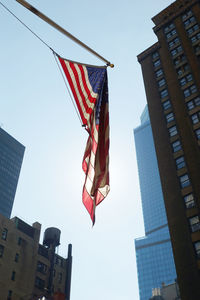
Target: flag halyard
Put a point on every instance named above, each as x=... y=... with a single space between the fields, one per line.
x=90 y=90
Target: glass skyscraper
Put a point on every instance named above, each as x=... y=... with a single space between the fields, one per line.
x=155 y=263
x=11 y=156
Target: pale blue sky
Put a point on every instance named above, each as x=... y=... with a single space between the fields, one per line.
x=35 y=108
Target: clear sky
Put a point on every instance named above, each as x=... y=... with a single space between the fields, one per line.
x=35 y=109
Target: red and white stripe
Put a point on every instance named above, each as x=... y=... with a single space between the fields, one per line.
x=84 y=96
x=96 y=158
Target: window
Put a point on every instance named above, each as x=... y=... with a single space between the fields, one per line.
x=190 y=105
x=184 y=181
x=194 y=223
x=187 y=14
x=176 y=50
x=154 y=55
x=39 y=283
x=13 y=275
x=169 y=117
x=182 y=81
x=195 y=118
x=189 y=91
x=189 y=77
x=192 y=29
x=41 y=267
x=189 y=21
x=198 y=134
x=171 y=33
x=193 y=89
x=189 y=201
x=197 y=248
x=156 y=63
x=16 y=257
x=159 y=73
x=185 y=79
x=164 y=93
x=1 y=250
x=9 y=295
x=176 y=146
x=173 y=42
x=166 y=105
x=195 y=27
x=173 y=52
x=59 y=277
x=169 y=27
x=172 y=130
x=4 y=234
x=180 y=162
x=161 y=82
x=186 y=93
x=195 y=38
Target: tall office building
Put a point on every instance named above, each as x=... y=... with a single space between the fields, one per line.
x=155 y=262
x=171 y=72
x=11 y=156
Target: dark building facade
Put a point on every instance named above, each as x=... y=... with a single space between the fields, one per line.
x=11 y=156
x=171 y=73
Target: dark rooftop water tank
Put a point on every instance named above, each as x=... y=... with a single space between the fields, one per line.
x=52 y=237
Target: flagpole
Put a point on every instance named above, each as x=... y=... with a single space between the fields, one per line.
x=62 y=30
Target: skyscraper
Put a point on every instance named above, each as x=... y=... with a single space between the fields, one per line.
x=171 y=72
x=11 y=156
x=155 y=262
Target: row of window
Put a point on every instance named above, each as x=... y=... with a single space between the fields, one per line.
x=194 y=221
x=176 y=145
x=176 y=50
x=4 y=236
x=192 y=29
x=195 y=38
x=193 y=103
x=188 y=20
x=190 y=90
x=171 y=33
x=16 y=259
x=173 y=42
x=193 y=32
x=188 y=78
x=41 y=267
x=193 y=89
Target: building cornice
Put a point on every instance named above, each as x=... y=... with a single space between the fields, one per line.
x=148 y=51
x=172 y=11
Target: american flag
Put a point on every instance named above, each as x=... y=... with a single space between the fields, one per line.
x=89 y=87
